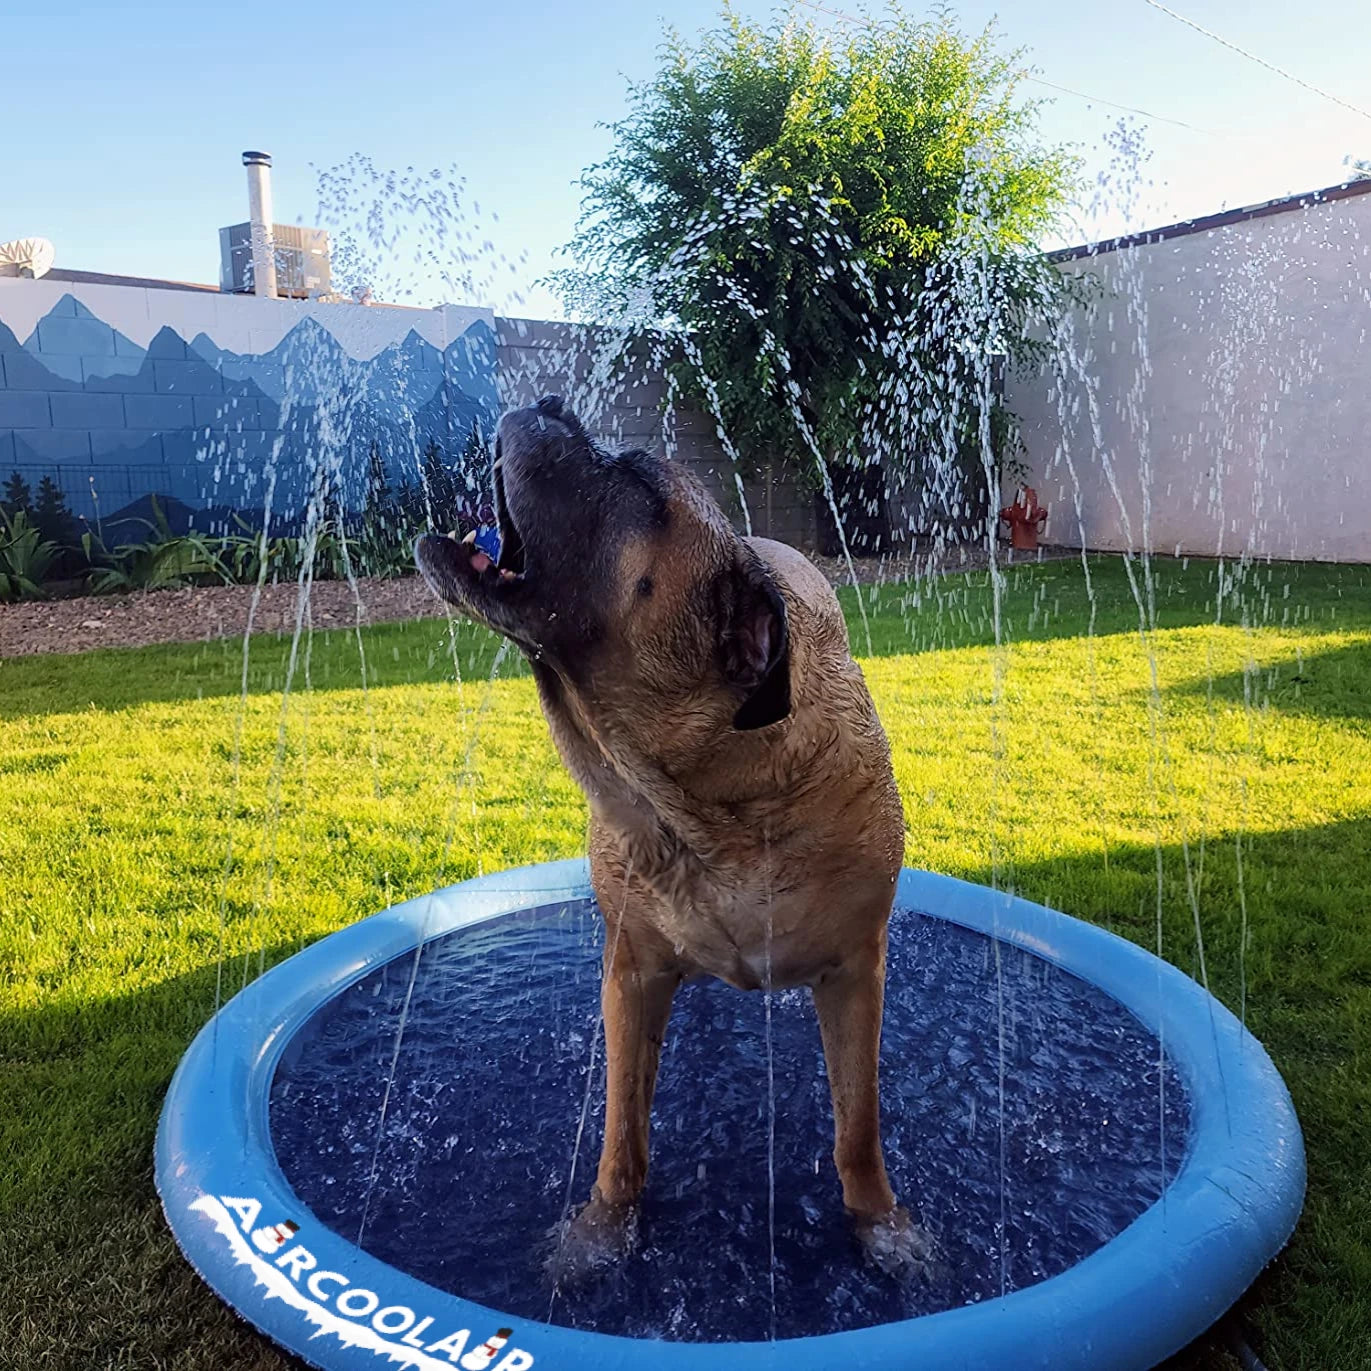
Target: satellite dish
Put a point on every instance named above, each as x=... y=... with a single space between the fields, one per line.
x=32 y=256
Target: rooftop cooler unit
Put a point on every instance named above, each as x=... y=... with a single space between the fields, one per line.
x=301 y=254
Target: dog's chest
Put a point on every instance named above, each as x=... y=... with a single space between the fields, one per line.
x=743 y=935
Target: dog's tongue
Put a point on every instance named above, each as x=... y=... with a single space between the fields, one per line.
x=479 y=561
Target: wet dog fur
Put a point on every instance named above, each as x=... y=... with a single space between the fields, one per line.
x=744 y=819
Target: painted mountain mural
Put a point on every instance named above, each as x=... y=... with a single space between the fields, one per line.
x=213 y=432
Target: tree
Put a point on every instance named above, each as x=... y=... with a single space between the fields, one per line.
x=382 y=543
x=380 y=517
x=443 y=502
x=378 y=493
x=840 y=234
x=51 y=516
x=475 y=468
x=18 y=498
x=1359 y=168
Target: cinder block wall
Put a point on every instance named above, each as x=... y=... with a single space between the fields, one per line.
x=119 y=392
x=537 y=357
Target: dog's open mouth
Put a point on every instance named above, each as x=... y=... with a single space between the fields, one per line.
x=478 y=561
x=460 y=569
x=512 y=561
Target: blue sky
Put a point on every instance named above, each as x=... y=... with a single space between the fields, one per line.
x=125 y=121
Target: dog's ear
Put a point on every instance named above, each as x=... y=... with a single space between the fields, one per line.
x=754 y=644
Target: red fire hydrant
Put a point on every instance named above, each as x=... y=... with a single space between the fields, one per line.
x=1025 y=518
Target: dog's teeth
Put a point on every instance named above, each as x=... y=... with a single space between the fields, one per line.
x=470 y=538
x=506 y=574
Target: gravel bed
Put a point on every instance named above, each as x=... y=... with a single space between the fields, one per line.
x=200 y=613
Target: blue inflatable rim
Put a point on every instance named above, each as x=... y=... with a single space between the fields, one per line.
x=1155 y=1287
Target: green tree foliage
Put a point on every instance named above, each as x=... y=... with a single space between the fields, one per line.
x=442 y=491
x=840 y=230
x=17 y=497
x=51 y=515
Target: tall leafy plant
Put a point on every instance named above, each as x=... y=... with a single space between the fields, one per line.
x=164 y=561
x=840 y=231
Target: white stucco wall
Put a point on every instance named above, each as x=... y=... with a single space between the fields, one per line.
x=1224 y=376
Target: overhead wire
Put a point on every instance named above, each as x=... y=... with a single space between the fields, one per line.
x=863 y=22
x=1133 y=109
x=1261 y=61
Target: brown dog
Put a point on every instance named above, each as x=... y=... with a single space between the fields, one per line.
x=744 y=820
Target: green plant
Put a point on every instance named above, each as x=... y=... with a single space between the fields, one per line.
x=163 y=562
x=242 y=555
x=25 y=557
x=839 y=233
x=333 y=553
x=388 y=556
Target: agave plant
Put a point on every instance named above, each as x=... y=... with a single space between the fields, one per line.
x=165 y=561
x=25 y=557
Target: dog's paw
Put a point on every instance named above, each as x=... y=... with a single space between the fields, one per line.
x=897 y=1246
x=591 y=1241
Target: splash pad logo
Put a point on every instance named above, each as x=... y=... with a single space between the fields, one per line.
x=290 y=1272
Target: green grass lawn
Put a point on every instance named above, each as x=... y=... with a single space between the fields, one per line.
x=136 y=875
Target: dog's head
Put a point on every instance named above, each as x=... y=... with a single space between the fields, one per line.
x=620 y=575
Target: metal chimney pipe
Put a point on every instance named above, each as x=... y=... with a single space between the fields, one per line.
x=260 y=218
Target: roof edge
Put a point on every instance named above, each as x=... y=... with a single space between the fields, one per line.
x=1344 y=190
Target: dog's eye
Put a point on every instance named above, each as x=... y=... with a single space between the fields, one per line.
x=645 y=586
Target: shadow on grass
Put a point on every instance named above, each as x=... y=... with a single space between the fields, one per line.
x=90 y=1273
x=109 y=679
x=1041 y=602
x=1304 y=981
x=1047 y=601
x=92 y=1279
x=1330 y=684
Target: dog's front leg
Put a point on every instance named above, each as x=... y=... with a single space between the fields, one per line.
x=848 y=1000
x=635 y=997
x=636 y=993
